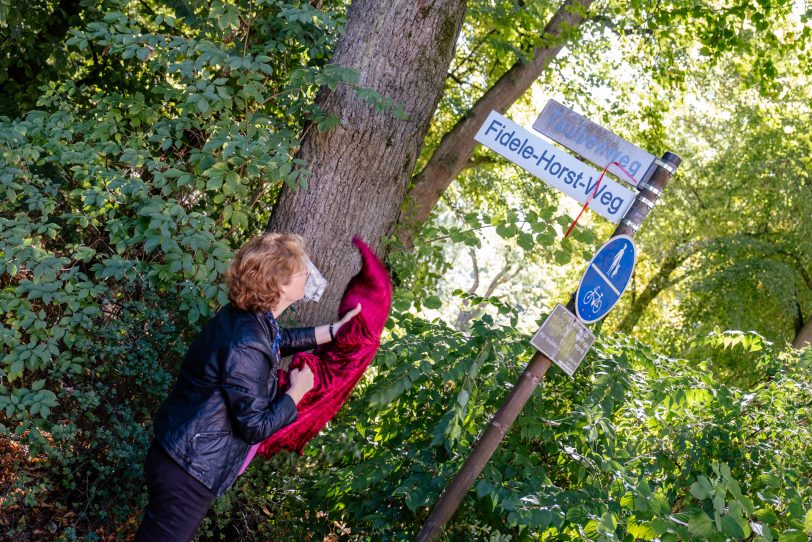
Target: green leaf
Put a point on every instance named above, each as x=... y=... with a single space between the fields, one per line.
x=563 y=257
x=328 y=123
x=412 y=501
x=702 y=488
x=660 y=526
x=578 y=514
x=546 y=238
x=700 y=525
x=641 y=531
x=84 y=253
x=151 y=243
x=659 y=504
x=506 y=231
x=525 y=241
x=432 y=302
x=643 y=488
x=462 y=398
x=214 y=183
x=793 y=535
x=767 y=516
x=731 y=527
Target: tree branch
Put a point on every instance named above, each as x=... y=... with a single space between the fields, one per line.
x=457 y=145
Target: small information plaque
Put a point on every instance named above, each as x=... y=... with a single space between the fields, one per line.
x=563 y=339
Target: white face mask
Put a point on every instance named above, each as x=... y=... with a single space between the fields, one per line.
x=315 y=284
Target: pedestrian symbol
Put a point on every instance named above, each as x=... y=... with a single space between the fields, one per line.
x=616 y=262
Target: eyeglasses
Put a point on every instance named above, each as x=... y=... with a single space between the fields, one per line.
x=306 y=272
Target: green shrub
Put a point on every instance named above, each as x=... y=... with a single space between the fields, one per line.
x=121 y=203
x=637 y=446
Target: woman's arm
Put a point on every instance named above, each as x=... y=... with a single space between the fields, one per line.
x=245 y=384
x=323 y=332
x=296 y=339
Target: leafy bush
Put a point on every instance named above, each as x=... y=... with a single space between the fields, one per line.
x=120 y=205
x=119 y=210
x=637 y=446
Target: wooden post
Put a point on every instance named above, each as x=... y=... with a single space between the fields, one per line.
x=650 y=187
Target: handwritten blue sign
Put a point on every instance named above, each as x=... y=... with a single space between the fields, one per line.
x=605 y=279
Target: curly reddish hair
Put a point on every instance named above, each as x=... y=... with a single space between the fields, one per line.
x=261 y=268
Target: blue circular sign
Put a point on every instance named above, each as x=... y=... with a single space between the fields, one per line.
x=605 y=279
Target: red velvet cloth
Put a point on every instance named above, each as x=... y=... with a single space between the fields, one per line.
x=338 y=365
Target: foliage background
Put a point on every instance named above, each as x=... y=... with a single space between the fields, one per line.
x=142 y=143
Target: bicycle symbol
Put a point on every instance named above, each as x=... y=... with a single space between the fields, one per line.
x=593 y=298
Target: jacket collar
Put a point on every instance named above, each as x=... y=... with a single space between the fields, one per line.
x=274 y=331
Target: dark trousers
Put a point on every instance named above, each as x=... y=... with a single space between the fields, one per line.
x=177 y=501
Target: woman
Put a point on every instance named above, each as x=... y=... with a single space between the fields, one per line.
x=224 y=402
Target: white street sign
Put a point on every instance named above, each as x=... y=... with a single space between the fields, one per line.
x=554 y=166
x=592 y=141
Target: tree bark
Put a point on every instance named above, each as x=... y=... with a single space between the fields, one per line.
x=457 y=146
x=804 y=336
x=803 y=331
x=359 y=170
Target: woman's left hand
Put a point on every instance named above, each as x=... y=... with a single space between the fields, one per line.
x=346 y=318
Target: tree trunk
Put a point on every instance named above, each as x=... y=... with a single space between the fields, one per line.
x=803 y=331
x=458 y=145
x=804 y=336
x=359 y=170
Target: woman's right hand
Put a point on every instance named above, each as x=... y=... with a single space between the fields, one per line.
x=301 y=382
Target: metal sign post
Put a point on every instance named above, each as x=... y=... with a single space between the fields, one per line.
x=657 y=176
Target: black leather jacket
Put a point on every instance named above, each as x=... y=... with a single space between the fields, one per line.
x=224 y=399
